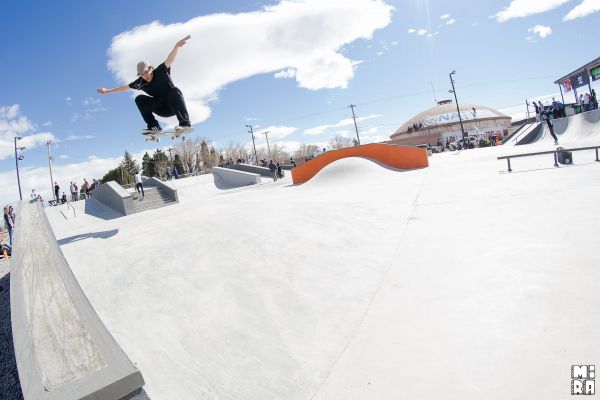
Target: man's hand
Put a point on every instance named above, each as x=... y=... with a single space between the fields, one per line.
x=182 y=41
x=102 y=90
x=173 y=53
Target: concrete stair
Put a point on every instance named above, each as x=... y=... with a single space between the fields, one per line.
x=154 y=198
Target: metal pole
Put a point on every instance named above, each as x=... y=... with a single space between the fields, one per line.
x=462 y=129
x=268 y=147
x=17 y=165
x=561 y=93
x=527 y=105
x=355 y=126
x=253 y=144
x=50 y=167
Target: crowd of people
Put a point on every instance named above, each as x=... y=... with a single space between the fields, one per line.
x=586 y=102
x=76 y=192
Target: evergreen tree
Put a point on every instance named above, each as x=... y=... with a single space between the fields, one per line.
x=147 y=166
x=119 y=175
x=160 y=161
x=130 y=165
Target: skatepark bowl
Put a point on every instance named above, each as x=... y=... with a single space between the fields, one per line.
x=365 y=282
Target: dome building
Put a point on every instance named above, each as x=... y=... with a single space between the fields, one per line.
x=442 y=123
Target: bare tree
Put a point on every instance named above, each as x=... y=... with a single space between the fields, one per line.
x=305 y=150
x=278 y=152
x=187 y=153
x=340 y=142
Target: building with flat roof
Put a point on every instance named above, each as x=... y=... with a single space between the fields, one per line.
x=442 y=123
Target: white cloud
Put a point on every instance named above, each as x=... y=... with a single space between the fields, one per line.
x=412 y=30
x=286 y=73
x=345 y=122
x=524 y=8
x=304 y=35
x=12 y=124
x=68 y=100
x=421 y=32
x=82 y=137
x=379 y=53
x=586 y=8
x=47 y=124
x=276 y=132
x=445 y=16
x=63 y=156
x=541 y=31
x=450 y=21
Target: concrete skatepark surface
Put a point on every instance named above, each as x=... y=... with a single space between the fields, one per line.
x=454 y=281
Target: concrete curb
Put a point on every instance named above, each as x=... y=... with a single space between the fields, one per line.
x=62 y=348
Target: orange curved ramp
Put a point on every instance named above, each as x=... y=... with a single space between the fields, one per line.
x=401 y=157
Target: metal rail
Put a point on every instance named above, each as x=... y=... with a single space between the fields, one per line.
x=555 y=152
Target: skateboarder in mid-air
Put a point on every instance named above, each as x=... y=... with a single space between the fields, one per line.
x=164 y=98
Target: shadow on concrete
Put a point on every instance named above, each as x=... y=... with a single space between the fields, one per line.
x=94 y=235
x=96 y=209
x=10 y=388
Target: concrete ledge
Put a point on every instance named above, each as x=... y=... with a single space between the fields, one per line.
x=228 y=178
x=157 y=183
x=112 y=195
x=62 y=348
x=254 y=169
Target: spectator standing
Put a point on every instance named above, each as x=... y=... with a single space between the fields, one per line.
x=594 y=100
x=63 y=199
x=56 y=191
x=72 y=190
x=541 y=110
x=175 y=172
x=586 y=102
x=273 y=170
x=292 y=162
x=279 y=171
x=10 y=225
x=33 y=195
x=86 y=188
x=537 y=110
x=168 y=174
x=138 y=183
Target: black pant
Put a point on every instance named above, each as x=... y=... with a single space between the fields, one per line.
x=169 y=106
x=139 y=187
x=551 y=129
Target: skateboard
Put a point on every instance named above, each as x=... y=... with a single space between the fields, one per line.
x=153 y=136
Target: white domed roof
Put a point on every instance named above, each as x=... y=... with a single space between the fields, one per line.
x=444 y=114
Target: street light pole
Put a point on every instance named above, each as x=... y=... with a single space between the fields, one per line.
x=456 y=99
x=17 y=158
x=268 y=147
x=50 y=167
x=253 y=144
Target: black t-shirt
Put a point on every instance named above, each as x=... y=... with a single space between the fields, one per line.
x=159 y=86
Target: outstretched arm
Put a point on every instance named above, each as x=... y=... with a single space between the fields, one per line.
x=173 y=53
x=123 y=88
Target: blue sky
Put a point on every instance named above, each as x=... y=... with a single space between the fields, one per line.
x=383 y=56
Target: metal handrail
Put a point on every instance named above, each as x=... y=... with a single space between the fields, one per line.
x=555 y=152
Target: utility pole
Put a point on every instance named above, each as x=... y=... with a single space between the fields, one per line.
x=456 y=99
x=268 y=147
x=170 y=156
x=50 y=167
x=355 y=126
x=17 y=158
x=253 y=144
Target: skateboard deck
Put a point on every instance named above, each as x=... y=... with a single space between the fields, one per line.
x=152 y=136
